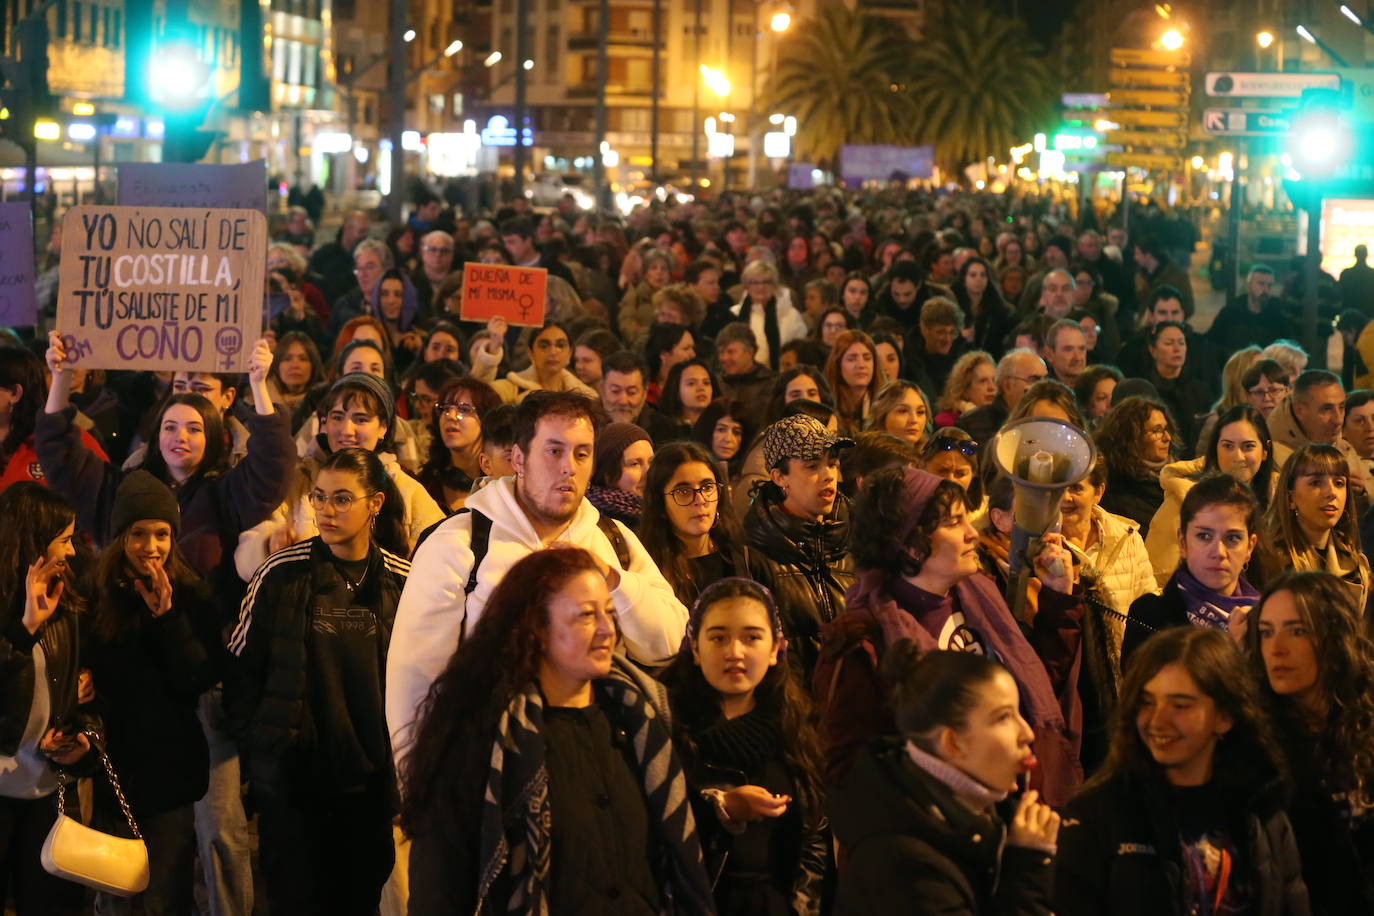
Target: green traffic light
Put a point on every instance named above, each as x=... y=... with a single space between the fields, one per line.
x=1319 y=144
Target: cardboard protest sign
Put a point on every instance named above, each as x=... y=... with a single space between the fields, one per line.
x=18 y=308
x=516 y=294
x=183 y=184
x=161 y=287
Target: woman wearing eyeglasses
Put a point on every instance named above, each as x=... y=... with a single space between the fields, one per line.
x=455 y=445
x=1136 y=437
x=304 y=694
x=687 y=527
x=358 y=412
x=1266 y=383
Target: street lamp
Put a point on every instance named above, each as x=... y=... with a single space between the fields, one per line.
x=1172 y=40
x=1264 y=38
x=781 y=21
x=454 y=47
x=493 y=59
x=1348 y=13
x=409 y=36
x=715 y=81
x=1307 y=35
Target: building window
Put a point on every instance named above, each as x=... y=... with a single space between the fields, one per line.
x=553 y=47
x=116 y=29
x=106 y=39
x=95 y=24
x=61 y=18
x=76 y=21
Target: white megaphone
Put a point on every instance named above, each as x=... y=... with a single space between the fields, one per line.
x=1043 y=457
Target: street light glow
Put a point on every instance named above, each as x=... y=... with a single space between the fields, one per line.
x=1172 y=40
x=1317 y=144
x=493 y=59
x=1264 y=39
x=529 y=64
x=409 y=36
x=1348 y=13
x=454 y=47
x=781 y=21
x=775 y=118
x=715 y=81
x=1306 y=35
x=1198 y=162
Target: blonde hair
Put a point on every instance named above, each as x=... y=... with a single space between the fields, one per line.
x=687 y=300
x=1233 y=392
x=960 y=377
x=759 y=270
x=1287 y=354
x=1285 y=537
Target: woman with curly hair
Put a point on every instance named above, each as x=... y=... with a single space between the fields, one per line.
x=752 y=757
x=855 y=377
x=1311 y=523
x=1187 y=814
x=971 y=383
x=1136 y=437
x=918 y=577
x=518 y=791
x=1315 y=664
x=1093 y=389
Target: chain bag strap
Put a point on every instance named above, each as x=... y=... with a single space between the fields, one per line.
x=116 y=865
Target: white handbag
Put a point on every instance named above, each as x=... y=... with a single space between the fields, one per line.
x=77 y=853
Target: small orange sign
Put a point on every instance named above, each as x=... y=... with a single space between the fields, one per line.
x=516 y=294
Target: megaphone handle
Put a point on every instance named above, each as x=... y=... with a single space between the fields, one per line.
x=1017 y=586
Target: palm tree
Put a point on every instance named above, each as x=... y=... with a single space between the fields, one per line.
x=839 y=75
x=980 y=83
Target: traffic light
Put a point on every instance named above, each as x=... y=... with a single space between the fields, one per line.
x=1319 y=139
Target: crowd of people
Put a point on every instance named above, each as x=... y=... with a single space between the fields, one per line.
x=700 y=595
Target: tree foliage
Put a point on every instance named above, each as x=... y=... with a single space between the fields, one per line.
x=840 y=76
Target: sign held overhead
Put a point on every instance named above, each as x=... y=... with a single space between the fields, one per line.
x=516 y=294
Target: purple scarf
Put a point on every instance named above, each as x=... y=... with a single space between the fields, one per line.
x=1208 y=608
x=984 y=608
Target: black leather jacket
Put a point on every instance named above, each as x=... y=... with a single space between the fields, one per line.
x=59 y=637
x=807 y=566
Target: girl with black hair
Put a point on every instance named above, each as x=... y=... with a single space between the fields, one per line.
x=296 y=369
x=977 y=295
x=1309 y=650
x=41 y=688
x=925 y=817
x=456 y=441
x=1187 y=814
x=750 y=753
x=154 y=647
x=21 y=398
x=667 y=345
x=688 y=526
x=304 y=694
x=689 y=390
x=724 y=428
x=551 y=353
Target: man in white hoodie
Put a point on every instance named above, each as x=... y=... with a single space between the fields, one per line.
x=543 y=505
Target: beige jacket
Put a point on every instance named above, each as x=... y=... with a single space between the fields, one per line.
x=516 y=385
x=1285 y=430
x=1121 y=564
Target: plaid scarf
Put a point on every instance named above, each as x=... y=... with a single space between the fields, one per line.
x=516 y=830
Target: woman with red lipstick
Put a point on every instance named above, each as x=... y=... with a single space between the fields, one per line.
x=1309 y=649
x=924 y=816
x=1187 y=814
x=918 y=577
x=1216 y=538
x=542 y=776
x=304 y=694
x=154 y=647
x=1311 y=523
x=742 y=724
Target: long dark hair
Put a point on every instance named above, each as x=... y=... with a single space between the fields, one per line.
x=1345 y=674
x=663 y=337
x=444 y=773
x=1263 y=481
x=696 y=704
x=1219 y=670
x=656 y=530
x=34 y=515
x=992 y=302
x=704 y=429
x=934 y=690
x=21 y=368
x=484 y=398
x=670 y=399
x=777 y=399
x=389 y=529
x=111 y=576
x=312 y=353
x=216 y=457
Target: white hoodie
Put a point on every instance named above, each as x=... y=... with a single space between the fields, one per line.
x=433 y=607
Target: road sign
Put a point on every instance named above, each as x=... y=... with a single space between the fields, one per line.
x=1151 y=79
x=1163 y=138
x=1154 y=161
x=1083 y=99
x=1129 y=117
x=1149 y=98
x=1136 y=57
x=1245 y=122
x=1268 y=85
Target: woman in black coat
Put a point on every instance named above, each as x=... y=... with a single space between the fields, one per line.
x=922 y=818
x=153 y=649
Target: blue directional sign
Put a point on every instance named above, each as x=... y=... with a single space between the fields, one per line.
x=1245 y=122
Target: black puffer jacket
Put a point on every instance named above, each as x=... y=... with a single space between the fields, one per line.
x=267 y=686
x=913 y=847
x=1119 y=853
x=806 y=564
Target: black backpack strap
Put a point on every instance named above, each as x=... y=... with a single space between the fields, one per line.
x=481 y=537
x=613 y=534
